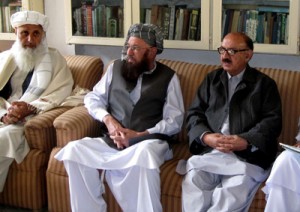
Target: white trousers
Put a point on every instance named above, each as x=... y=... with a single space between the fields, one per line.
x=12 y=142
x=4 y=167
x=283 y=185
x=203 y=191
x=13 y=146
x=217 y=182
x=135 y=189
x=132 y=174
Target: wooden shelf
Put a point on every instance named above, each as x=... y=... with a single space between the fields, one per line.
x=211 y=24
x=36 y=5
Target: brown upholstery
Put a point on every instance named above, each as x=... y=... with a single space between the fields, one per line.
x=68 y=128
x=26 y=182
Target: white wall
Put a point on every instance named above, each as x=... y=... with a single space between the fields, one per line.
x=4 y=45
x=54 y=9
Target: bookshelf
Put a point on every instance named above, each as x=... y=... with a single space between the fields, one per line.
x=113 y=29
x=211 y=27
x=8 y=7
x=191 y=34
x=272 y=24
x=132 y=14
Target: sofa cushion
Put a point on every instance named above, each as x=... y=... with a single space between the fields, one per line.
x=86 y=70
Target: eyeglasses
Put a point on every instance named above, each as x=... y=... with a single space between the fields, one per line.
x=134 y=48
x=231 y=52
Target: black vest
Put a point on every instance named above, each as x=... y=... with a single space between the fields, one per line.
x=148 y=111
x=6 y=91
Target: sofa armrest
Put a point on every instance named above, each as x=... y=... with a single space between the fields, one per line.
x=39 y=130
x=75 y=124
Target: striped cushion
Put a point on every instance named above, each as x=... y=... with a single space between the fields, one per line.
x=26 y=184
x=86 y=70
x=288 y=83
x=70 y=127
x=41 y=127
x=57 y=183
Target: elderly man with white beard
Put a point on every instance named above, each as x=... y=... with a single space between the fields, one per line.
x=33 y=79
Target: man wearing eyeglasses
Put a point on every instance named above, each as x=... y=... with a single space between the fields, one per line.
x=140 y=103
x=233 y=125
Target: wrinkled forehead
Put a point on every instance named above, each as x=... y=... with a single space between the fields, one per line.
x=30 y=27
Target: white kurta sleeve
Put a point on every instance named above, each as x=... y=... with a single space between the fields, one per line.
x=96 y=101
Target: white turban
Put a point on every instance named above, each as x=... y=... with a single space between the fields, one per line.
x=29 y=17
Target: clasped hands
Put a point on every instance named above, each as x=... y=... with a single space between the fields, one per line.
x=118 y=133
x=17 y=112
x=225 y=143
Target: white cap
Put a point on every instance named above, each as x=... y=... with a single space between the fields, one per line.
x=29 y=17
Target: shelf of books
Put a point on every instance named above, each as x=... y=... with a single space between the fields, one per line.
x=273 y=25
x=185 y=23
x=8 y=7
x=97 y=22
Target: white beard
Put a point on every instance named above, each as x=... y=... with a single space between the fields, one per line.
x=27 y=58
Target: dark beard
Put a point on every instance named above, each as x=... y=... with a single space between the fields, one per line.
x=131 y=72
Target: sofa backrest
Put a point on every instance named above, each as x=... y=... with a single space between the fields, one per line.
x=190 y=76
x=86 y=70
x=288 y=82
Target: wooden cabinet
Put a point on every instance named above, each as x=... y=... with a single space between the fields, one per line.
x=132 y=13
x=181 y=8
x=5 y=32
x=274 y=18
x=212 y=18
x=76 y=14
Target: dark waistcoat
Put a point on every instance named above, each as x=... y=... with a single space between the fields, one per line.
x=149 y=108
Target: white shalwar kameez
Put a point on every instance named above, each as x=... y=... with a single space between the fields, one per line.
x=283 y=185
x=217 y=181
x=13 y=144
x=133 y=173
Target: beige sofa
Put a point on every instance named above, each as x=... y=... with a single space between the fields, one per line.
x=26 y=182
x=76 y=123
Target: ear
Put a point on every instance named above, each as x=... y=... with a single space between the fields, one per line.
x=153 y=51
x=249 y=55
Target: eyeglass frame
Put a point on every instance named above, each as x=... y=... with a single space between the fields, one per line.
x=135 y=48
x=231 y=52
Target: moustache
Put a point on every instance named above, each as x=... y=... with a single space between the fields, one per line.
x=226 y=60
x=126 y=58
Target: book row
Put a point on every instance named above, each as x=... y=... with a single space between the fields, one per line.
x=98 y=20
x=5 y=13
x=267 y=25
x=177 y=22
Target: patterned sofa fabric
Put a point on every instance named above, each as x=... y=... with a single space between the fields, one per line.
x=76 y=123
